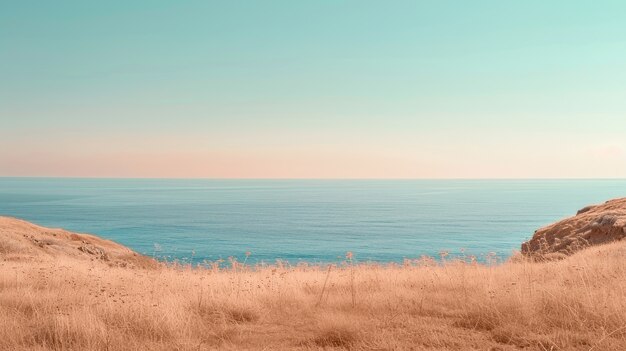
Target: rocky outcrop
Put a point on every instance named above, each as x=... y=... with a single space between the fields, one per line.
x=591 y=225
x=20 y=240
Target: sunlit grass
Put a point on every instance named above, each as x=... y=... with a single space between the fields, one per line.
x=575 y=304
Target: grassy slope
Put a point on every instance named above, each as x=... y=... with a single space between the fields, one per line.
x=71 y=304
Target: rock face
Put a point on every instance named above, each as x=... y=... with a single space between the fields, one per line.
x=21 y=240
x=592 y=225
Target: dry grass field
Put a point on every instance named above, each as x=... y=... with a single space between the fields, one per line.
x=68 y=304
x=67 y=291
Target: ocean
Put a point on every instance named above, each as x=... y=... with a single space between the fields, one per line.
x=303 y=220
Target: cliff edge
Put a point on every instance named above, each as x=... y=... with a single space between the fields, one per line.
x=21 y=240
x=592 y=225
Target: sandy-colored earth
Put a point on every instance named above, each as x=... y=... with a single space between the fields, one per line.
x=592 y=225
x=21 y=240
x=68 y=291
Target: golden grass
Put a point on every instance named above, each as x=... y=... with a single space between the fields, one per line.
x=574 y=304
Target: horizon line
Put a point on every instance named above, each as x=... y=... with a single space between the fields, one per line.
x=302 y=178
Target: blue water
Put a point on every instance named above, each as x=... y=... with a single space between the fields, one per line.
x=312 y=220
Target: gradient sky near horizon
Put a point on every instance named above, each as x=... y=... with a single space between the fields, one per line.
x=313 y=89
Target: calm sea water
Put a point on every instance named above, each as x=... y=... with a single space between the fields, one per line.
x=312 y=220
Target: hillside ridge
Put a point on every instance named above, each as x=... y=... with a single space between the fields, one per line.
x=592 y=225
x=22 y=240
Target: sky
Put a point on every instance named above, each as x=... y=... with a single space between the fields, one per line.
x=313 y=89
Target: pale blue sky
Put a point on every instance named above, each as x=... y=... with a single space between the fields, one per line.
x=313 y=89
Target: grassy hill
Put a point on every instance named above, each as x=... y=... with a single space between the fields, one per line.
x=56 y=296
